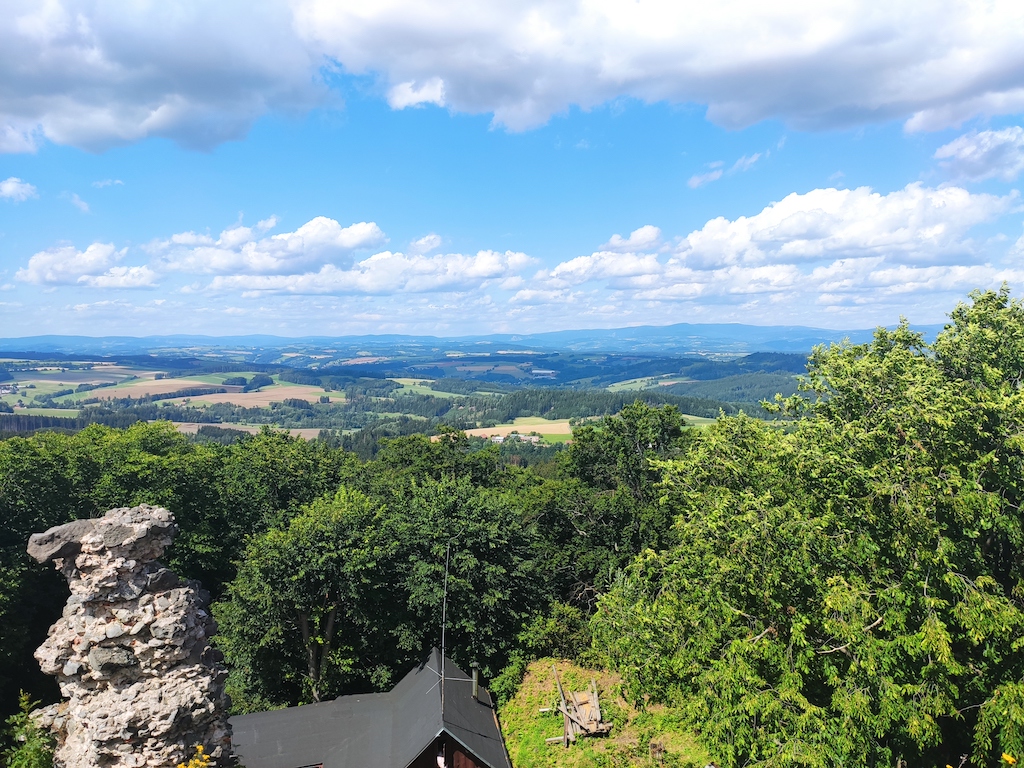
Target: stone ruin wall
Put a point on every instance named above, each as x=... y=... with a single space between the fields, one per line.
x=132 y=654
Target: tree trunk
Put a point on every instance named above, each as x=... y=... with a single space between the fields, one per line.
x=307 y=641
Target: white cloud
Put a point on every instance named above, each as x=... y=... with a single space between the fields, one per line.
x=915 y=222
x=742 y=164
x=16 y=190
x=985 y=155
x=66 y=265
x=411 y=95
x=243 y=249
x=385 y=273
x=603 y=265
x=107 y=183
x=425 y=244
x=745 y=163
x=76 y=201
x=811 y=64
x=121 y=277
x=95 y=267
x=94 y=75
x=829 y=248
x=700 y=179
x=646 y=238
x=543 y=297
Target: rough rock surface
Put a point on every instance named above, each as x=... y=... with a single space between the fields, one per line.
x=131 y=652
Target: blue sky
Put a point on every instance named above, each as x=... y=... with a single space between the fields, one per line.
x=321 y=167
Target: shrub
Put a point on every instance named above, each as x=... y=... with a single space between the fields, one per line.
x=33 y=746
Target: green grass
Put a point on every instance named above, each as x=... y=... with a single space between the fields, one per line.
x=532 y=421
x=41 y=388
x=647 y=382
x=698 y=421
x=630 y=385
x=629 y=744
x=414 y=387
x=555 y=439
x=66 y=413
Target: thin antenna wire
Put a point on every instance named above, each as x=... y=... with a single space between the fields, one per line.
x=444 y=619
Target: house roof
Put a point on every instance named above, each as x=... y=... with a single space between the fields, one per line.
x=376 y=730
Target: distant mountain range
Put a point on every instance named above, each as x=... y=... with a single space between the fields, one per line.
x=681 y=338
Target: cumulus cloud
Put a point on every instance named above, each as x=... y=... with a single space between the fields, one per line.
x=93 y=74
x=95 y=267
x=827 y=247
x=645 y=238
x=244 y=249
x=385 y=273
x=914 y=222
x=985 y=155
x=604 y=265
x=16 y=190
x=425 y=244
x=813 y=65
x=121 y=277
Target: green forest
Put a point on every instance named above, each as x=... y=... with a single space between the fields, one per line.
x=840 y=586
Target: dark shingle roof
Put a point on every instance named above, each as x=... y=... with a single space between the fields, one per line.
x=377 y=730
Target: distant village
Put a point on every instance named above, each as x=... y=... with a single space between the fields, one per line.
x=535 y=439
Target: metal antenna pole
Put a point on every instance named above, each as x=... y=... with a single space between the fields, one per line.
x=444 y=619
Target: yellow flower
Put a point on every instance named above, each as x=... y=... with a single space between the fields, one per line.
x=199 y=760
x=1009 y=759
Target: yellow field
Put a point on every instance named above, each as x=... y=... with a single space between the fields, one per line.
x=264 y=397
x=146 y=386
x=524 y=425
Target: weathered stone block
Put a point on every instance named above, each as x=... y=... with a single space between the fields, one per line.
x=62 y=541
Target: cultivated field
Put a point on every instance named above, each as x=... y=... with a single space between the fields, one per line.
x=525 y=425
x=264 y=397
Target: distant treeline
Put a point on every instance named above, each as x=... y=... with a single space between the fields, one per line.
x=743 y=388
x=383 y=414
x=469 y=386
x=581 y=403
x=331 y=380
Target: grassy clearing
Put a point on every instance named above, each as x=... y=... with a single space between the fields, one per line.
x=63 y=413
x=556 y=439
x=629 y=744
x=26 y=395
x=698 y=421
x=416 y=387
x=630 y=385
x=647 y=382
